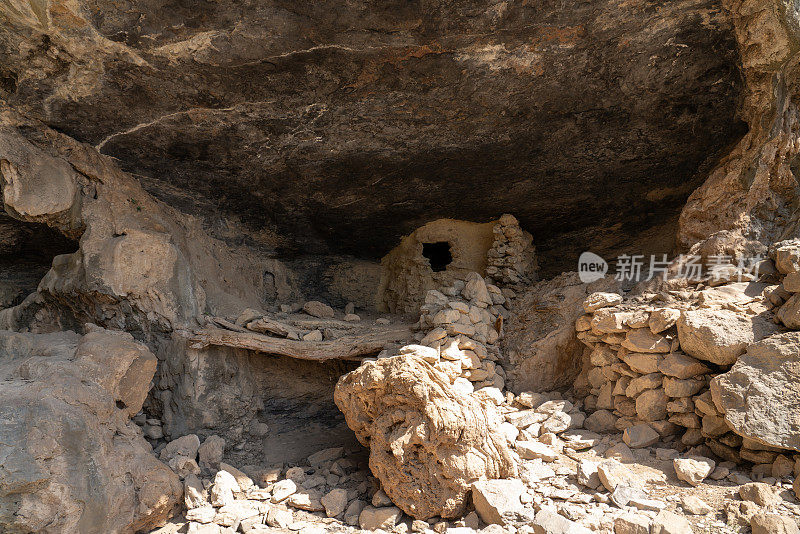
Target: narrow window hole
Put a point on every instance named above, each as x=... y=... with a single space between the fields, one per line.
x=438 y=255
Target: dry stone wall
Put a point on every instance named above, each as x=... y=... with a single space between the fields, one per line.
x=707 y=362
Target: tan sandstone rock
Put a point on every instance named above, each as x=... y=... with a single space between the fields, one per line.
x=428 y=443
x=720 y=336
x=63 y=406
x=760 y=395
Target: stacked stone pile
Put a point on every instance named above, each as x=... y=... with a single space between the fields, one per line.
x=463 y=324
x=650 y=365
x=512 y=258
x=707 y=365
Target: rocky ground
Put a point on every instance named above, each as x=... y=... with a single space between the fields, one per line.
x=569 y=481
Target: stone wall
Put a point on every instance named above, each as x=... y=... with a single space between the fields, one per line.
x=673 y=363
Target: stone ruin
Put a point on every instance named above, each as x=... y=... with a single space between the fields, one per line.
x=279 y=275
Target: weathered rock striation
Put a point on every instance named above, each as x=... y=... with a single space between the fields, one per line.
x=428 y=442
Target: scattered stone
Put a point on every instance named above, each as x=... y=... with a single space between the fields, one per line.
x=372 y=518
x=204 y=514
x=283 y=490
x=183 y=446
x=669 y=523
x=493 y=499
x=639 y=436
x=530 y=450
x=632 y=524
x=325 y=455
x=693 y=470
x=318 y=309
x=694 y=505
x=759 y=493
x=623 y=495
x=211 y=451
x=612 y=474
x=223 y=489
x=549 y=522
x=279 y=518
x=587 y=474
x=335 y=502
x=313 y=336
x=765 y=523
x=194 y=496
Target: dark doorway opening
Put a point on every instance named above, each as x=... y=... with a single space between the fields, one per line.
x=438 y=255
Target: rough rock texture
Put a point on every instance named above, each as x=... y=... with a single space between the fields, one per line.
x=393 y=114
x=540 y=348
x=140 y=266
x=760 y=395
x=428 y=443
x=720 y=336
x=749 y=200
x=64 y=406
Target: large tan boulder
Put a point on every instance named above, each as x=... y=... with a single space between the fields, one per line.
x=721 y=336
x=72 y=461
x=760 y=395
x=428 y=443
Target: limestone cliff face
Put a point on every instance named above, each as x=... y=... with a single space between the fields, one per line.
x=339 y=127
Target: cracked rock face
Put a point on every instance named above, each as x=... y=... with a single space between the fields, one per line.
x=64 y=406
x=342 y=126
x=428 y=443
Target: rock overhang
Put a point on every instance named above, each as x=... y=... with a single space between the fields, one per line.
x=340 y=134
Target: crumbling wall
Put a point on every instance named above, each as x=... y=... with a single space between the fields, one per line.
x=499 y=250
x=708 y=362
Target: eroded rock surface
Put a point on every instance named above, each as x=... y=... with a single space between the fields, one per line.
x=428 y=443
x=70 y=452
x=760 y=395
x=393 y=115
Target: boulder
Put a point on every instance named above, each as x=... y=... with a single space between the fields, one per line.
x=760 y=493
x=427 y=443
x=372 y=518
x=497 y=500
x=721 y=336
x=639 y=436
x=766 y=523
x=65 y=404
x=693 y=470
x=760 y=395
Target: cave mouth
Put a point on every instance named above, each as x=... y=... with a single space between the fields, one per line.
x=438 y=255
x=26 y=254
